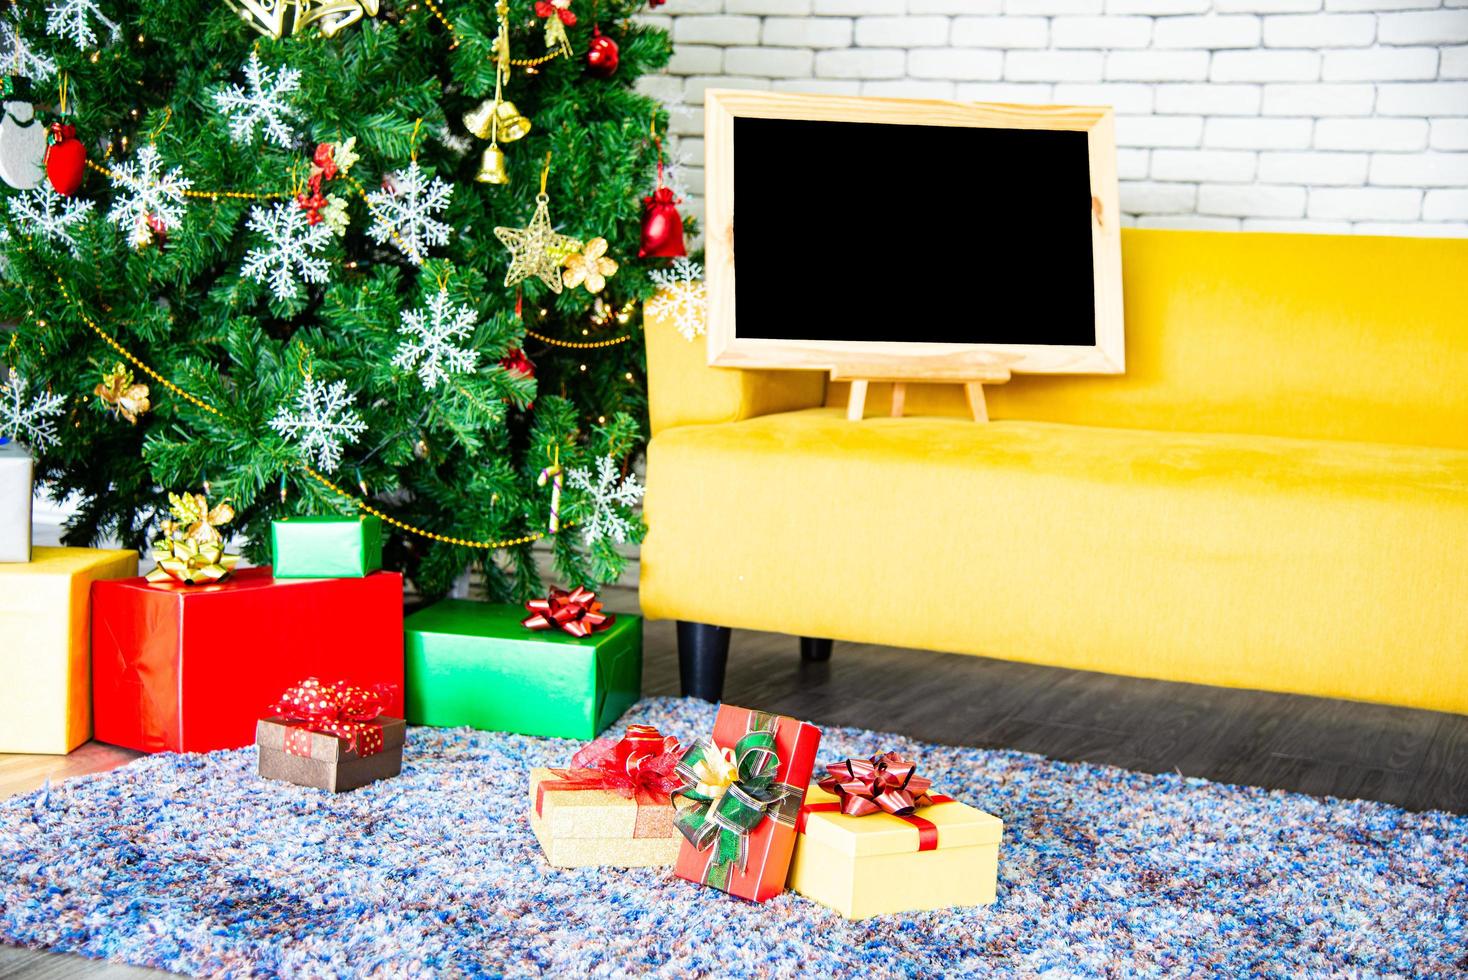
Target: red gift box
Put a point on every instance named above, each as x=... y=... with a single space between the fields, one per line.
x=761 y=874
x=191 y=668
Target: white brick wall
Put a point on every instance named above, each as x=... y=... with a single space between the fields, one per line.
x=1303 y=115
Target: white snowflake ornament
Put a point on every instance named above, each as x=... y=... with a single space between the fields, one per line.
x=322 y=422
x=606 y=494
x=43 y=212
x=145 y=199
x=286 y=257
x=18 y=57
x=262 y=104
x=681 y=297
x=404 y=212
x=28 y=419
x=72 y=20
x=432 y=332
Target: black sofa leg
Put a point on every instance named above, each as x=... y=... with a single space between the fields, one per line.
x=814 y=650
x=703 y=652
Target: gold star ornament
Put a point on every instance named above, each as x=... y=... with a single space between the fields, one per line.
x=590 y=267
x=537 y=250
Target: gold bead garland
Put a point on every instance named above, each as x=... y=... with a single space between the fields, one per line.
x=578 y=345
x=360 y=503
x=211 y=195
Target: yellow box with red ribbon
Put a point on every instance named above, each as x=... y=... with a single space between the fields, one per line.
x=612 y=806
x=870 y=844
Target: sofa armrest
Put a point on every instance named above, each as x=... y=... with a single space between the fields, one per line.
x=683 y=390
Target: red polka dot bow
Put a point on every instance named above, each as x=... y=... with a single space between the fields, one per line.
x=338 y=709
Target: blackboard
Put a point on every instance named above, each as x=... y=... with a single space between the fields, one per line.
x=911 y=238
x=909 y=223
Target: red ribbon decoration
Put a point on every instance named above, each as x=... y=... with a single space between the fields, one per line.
x=884 y=783
x=337 y=709
x=577 y=612
x=637 y=766
x=543 y=8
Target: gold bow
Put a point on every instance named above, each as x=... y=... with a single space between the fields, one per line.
x=714 y=774
x=279 y=18
x=121 y=396
x=192 y=549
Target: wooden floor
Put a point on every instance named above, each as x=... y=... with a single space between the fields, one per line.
x=1415 y=759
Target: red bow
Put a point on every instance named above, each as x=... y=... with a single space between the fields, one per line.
x=577 y=612
x=337 y=709
x=641 y=761
x=543 y=8
x=638 y=766
x=663 y=195
x=883 y=782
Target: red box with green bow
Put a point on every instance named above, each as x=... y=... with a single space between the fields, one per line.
x=740 y=794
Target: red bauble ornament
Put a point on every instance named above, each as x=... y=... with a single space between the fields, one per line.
x=66 y=159
x=517 y=363
x=602 y=55
x=662 y=226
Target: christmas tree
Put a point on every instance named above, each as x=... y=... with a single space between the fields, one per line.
x=328 y=255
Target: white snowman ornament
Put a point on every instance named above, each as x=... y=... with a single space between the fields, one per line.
x=22 y=146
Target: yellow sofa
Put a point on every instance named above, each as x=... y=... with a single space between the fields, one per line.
x=1274 y=496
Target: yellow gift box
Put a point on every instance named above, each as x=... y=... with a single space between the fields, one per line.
x=580 y=826
x=873 y=865
x=45 y=654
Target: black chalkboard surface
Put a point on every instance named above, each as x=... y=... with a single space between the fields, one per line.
x=856 y=231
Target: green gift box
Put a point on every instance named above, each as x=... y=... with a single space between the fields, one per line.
x=326 y=547
x=472 y=663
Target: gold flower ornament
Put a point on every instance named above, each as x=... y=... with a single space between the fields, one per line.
x=589 y=266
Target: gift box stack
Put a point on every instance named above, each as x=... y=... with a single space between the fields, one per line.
x=736 y=811
x=185 y=659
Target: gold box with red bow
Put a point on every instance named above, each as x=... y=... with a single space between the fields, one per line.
x=867 y=849
x=612 y=807
x=331 y=737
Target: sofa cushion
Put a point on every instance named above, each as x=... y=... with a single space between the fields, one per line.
x=1332 y=568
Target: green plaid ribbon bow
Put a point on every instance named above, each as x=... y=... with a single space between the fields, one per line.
x=731 y=793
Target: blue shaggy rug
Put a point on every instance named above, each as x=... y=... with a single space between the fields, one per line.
x=191 y=863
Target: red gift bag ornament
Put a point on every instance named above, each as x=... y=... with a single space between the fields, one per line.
x=662 y=225
x=66 y=159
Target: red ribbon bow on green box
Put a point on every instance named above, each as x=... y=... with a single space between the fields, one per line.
x=883 y=783
x=338 y=709
x=578 y=612
x=637 y=766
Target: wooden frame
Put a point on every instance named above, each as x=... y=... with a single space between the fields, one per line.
x=986 y=363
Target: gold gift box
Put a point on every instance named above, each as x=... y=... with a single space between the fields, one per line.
x=582 y=828
x=45 y=653
x=871 y=865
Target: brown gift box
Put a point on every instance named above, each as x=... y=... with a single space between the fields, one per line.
x=332 y=765
x=582 y=828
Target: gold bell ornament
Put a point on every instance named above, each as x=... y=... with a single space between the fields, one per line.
x=492 y=166
x=495 y=119
x=497 y=116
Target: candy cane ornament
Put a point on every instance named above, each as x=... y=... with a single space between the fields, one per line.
x=557 y=478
